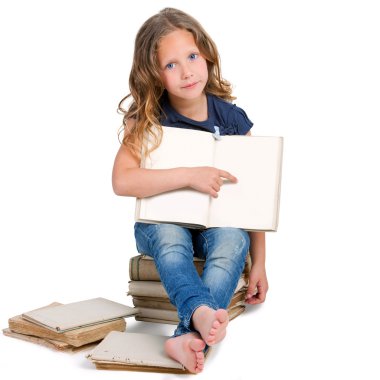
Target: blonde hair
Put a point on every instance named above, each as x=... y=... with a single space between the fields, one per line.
x=145 y=84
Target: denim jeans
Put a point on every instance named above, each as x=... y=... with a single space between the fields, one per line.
x=173 y=248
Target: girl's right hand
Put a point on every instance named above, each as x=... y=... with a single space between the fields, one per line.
x=208 y=179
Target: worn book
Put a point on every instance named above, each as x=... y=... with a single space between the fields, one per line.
x=75 y=338
x=157 y=290
x=50 y=343
x=165 y=304
x=63 y=318
x=251 y=204
x=134 y=352
x=171 y=316
x=143 y=268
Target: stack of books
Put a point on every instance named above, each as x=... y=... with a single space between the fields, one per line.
x=72 y=326
x=151 y=300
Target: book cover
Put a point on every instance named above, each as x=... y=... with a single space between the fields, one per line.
x=76 y=338
x=134 y=351
x=80 y=314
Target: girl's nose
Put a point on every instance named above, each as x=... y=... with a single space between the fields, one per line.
x=186 y=72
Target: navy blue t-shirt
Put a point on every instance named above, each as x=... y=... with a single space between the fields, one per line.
x=230 y=119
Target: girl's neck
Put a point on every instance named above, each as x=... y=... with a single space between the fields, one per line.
x=195 y=109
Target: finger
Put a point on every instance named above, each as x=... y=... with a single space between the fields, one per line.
x=255 y=301
x=260 y=296
x=227 y=175
x=250 y=292
x=213 y=193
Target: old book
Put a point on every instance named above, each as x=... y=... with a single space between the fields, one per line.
x=164 y=303
x=76 y=338
x=170 y=317
x=142 y=268
x=252 y=203
x=50 y=343
x=156 y=289
x=134 y=352
x=80 y=314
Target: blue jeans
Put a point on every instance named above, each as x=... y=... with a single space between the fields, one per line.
x=173 y=248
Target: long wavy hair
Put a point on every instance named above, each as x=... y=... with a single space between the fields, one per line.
x=145 y=85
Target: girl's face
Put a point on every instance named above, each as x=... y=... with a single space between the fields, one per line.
x=183 y=70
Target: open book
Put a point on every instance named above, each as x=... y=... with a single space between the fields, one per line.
x=251 y=204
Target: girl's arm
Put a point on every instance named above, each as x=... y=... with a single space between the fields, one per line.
x=129 y=179
x=257 y=276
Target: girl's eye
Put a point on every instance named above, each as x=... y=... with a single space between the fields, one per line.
x=193 y=56
x=170 y=66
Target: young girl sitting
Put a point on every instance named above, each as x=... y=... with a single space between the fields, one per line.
x=176 y=81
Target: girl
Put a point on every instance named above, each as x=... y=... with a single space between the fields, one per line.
x=176 y=81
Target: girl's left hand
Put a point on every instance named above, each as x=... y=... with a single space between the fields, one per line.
x=258 y=285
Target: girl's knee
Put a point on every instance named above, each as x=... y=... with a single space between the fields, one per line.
x=236 y=240
x=170 y=238
x=158 y=239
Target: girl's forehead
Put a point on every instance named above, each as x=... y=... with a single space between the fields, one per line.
x=176 y=41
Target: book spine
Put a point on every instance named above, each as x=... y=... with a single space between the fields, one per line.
x=170 y=317
x=143 y=269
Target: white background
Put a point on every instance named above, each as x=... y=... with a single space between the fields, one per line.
x=306 y=70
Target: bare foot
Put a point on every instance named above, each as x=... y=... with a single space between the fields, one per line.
x=188 y=350
x=210 y=323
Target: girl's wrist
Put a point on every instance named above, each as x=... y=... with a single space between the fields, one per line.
x=186 y=174
x=258 y=263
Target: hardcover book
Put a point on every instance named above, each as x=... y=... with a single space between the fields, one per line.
x=77 y=315
x=134 y=352
x=157 y=290
x=251 y=204
x=143 y=268
x=75 y=338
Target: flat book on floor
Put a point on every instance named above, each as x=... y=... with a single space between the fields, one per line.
x=80 y=314
x=251 y=204
x=134 y=352
x=76 y=338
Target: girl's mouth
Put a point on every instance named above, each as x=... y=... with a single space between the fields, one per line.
x=190 y=85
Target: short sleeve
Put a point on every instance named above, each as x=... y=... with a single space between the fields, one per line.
x=238 y=122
